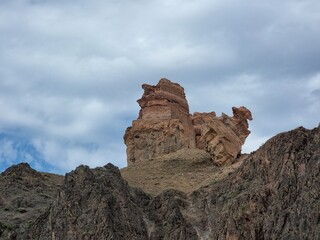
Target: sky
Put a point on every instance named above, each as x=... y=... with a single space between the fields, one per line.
x=71 y=71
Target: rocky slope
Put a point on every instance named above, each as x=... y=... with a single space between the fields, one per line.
x=24 y=195
x=99 y=204
x=273 y=194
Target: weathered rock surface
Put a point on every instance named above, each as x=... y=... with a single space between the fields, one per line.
x=223 y=136
x=99 y=204
x=24 y=195
x=274 y=194
x=165 y=125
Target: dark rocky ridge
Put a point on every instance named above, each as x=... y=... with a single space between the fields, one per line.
x=99 y=204
x=274 y=194
x=24 y=195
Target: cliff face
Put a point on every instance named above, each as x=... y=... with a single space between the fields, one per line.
x=165 y=125
x=274 y=194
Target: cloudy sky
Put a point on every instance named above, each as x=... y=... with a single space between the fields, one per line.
x=71 y=71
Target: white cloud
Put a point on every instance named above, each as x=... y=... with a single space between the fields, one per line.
x=66 y=155
x=7 y=151
x=312 y=97
x=253 y=142
x=314 y=82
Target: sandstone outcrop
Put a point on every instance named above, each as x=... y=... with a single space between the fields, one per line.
x=165 y=125
x=222 y=136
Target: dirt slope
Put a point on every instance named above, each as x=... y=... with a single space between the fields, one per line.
x=185 y=170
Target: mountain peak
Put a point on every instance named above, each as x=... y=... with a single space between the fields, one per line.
x=22 y=170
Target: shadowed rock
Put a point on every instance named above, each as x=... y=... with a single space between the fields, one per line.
x=99 y=204
x=24 y=194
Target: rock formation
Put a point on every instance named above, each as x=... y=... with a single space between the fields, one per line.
x=274 y=194
x=222 y=136
x=24 y=195
x=165 y=125
x=99 y=204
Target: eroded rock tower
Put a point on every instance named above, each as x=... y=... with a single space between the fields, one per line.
x=165 y=125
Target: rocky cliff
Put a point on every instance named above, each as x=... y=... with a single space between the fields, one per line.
x=165 y=125
x=24 y=195
x=274 y=194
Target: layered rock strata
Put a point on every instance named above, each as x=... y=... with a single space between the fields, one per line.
x=165 y=125
x=223 y=136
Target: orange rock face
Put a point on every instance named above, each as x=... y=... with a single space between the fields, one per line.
x=222 y=136
x=165 y=125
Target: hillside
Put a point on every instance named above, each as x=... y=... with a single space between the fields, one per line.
x=185 y=170
x=271 y=194
x=24 y=195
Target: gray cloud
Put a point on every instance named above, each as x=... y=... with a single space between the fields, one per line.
x=70 y=73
